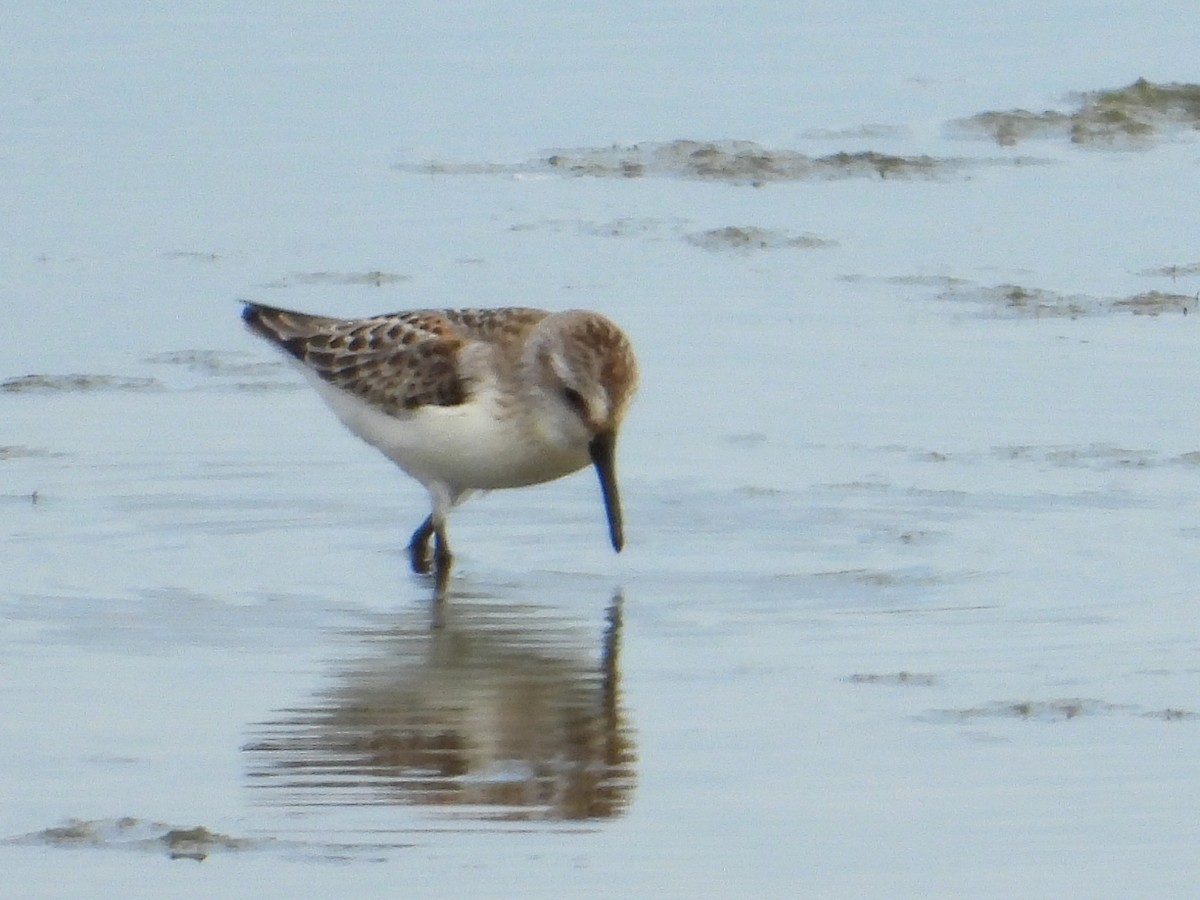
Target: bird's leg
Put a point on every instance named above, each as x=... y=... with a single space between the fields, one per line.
x=441 y=557
x=418 y=546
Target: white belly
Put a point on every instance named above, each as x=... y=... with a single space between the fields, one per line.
x=465 y=447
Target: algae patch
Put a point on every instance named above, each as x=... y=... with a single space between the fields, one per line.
x=741 y=162
x=1128 y=116
x=373 y=278
x=1058 y=710
x=54 y=384
x=895 y=679
x=747 y=238
x=130 y=833
x=1019 y=300
x=729 y=161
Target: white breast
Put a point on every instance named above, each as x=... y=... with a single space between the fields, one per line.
x=471 y=446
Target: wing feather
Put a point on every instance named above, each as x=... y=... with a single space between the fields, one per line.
x=398 y=362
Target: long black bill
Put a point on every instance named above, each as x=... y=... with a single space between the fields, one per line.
x=603 y=452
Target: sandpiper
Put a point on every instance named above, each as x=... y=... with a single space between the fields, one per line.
x=470 y=399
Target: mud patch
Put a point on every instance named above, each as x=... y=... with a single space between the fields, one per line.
x=861 y=132
x=749 y=238
x=885 y=579
x=1009 y=127
x=224 y=370
x=1032 y=302
x=1090 y=456
x=1098 y=456
x=196 y=843
x=16 y=451
x=1018 y=300
x=192 y=256
x=216 y=369
x=942 y=282
x=737 y=162
x=1171 y=714
x=54 y=384
x=897 y=679
x=1038 y=710
x=740 y=162
x=738 y=238
x=1153 y=303
x=215 y=362
x=1063 y=710
x=1173 y=271
x=367 y=279
x=130 y=833
x=628 y=226
x=895 y=579
x=1127 y=116
x=756 y=492
x=624 y=227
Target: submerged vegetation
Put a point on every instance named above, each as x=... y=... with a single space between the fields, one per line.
x=740 y=161
x=1131 y=115
x=731 y=161
x=1013 y=299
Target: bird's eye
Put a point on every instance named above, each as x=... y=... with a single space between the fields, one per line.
x=575 y=400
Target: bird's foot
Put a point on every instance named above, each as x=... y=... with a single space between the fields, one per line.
x=419 y=559
x=418 y=548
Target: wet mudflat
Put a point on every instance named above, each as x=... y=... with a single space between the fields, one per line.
x=912 y=485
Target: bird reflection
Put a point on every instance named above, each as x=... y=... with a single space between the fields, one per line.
x=488 y=712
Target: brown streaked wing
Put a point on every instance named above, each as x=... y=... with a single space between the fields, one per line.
x=398 y=362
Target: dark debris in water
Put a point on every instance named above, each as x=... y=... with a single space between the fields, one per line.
x=226 y=370
x=216 y=362
x=1173 y=271
x=1041 y=710
x=51 y=384
x=1062 y=710
x=1018 y=300
x=1033 y=302
x=128 y=832
x=625 y=226
x=374 y=278
x=885 y=578
x=736 y=238
x=1134 y=114
x=1008 y=127
x=1171 y=714
x=1102 y=456
x=732 y=161
x=196 y=843
x=743 y=162
x=1095 y=455
x=1152 y=303
x=193 y=255
x=747 y=238
x=18 y=451
x=223 y=370
x=902 y=679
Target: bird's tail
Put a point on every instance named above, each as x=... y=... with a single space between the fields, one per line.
x=282 y=325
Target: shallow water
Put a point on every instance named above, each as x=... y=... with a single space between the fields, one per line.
x=911 y=485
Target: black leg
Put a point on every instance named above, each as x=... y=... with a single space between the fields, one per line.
x=442 y=558
x=418 y=547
